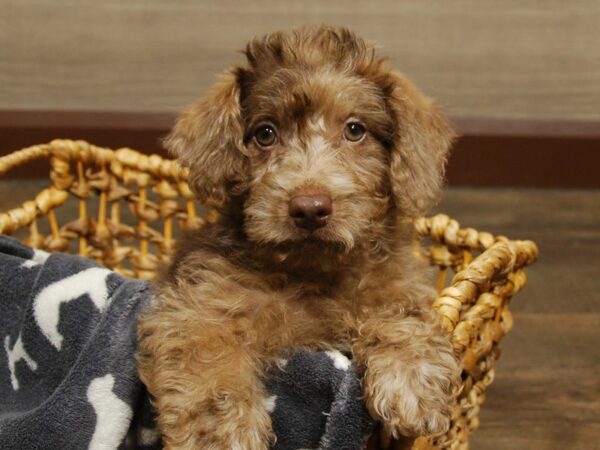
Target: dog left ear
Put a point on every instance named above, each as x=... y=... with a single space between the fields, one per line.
x=209 y=139
x=421 y=142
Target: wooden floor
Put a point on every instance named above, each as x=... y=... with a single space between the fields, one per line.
x=547 y=390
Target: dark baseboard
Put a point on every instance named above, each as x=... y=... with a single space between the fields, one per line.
x=489 y=152
x=525 y=161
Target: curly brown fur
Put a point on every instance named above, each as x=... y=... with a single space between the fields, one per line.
x=242 y=291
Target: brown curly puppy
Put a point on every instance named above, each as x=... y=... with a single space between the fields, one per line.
x=317 y=156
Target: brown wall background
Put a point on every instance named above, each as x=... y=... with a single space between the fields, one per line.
x=503 y=69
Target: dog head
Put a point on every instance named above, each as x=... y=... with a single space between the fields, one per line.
x=317 y=138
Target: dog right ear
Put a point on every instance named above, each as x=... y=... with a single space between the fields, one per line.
x=209 y=139
x=422 y=140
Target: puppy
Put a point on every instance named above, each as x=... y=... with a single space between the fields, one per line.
x=317 y=156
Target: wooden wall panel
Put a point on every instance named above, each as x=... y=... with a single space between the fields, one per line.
x=500 y=59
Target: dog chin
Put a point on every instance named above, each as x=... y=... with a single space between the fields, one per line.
x=311 y=246
x=317 y=242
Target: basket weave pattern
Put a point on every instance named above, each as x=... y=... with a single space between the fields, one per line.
x=129 y=207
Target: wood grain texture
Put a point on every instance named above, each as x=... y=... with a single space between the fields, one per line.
x=529 y=59
x=546 y=394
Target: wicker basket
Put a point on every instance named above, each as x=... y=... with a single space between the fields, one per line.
x=96 y=183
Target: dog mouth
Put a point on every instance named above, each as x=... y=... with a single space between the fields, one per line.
x=311 y=246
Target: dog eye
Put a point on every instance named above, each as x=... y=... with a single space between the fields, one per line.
x=265 y=135
x=354 y=131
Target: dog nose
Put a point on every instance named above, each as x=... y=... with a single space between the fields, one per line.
x=310 y=211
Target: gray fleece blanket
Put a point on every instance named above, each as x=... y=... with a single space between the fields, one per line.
x=67 y=366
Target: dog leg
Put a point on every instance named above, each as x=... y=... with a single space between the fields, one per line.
x=205 y=383
x=410 y=372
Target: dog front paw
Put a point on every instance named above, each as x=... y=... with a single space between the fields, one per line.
x=413 y=400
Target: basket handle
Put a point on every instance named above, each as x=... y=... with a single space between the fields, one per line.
x=23 y=156
x=501 y=258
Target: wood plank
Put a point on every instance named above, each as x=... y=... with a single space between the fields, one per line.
x=498 y=59
x=546 y=395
